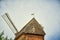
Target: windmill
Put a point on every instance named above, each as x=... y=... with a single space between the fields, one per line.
x=6 y=17
x=31 y=31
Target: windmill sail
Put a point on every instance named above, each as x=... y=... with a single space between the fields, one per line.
x=6 y=17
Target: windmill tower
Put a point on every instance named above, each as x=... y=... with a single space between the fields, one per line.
x=6 y=17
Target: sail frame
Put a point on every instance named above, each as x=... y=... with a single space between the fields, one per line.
x=11 y=25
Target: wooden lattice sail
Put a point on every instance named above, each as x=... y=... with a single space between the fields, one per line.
x=8 y=20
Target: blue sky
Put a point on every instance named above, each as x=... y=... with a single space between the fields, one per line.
x=47 y=13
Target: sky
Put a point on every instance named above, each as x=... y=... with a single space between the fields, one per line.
x=46 y=12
